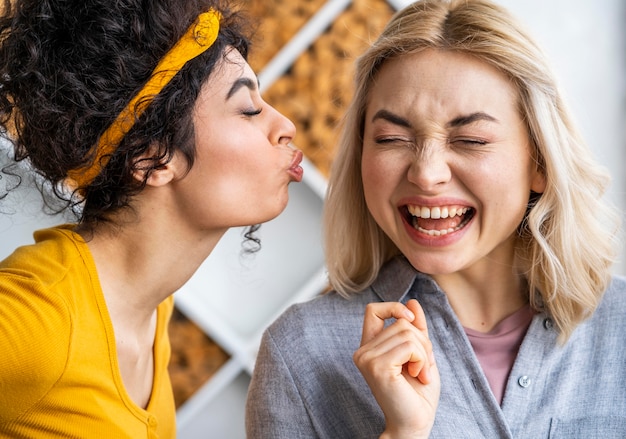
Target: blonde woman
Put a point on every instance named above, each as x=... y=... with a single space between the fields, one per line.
x=145 y=117
x=469 y=248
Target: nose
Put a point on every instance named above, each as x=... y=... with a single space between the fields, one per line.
x=283 y=129
x=430 y=168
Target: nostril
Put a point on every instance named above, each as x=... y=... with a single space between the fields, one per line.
x=286 y=141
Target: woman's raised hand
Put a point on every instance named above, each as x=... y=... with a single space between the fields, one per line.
x=398 y=364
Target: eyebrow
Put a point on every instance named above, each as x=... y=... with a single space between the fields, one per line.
x=470 y=118
x=390 y=117
x=241 y=82
x=454 y=123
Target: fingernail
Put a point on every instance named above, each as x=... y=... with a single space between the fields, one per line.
x=409 y=315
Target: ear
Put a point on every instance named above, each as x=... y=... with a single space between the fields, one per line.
x=160 y=175
x=538 y=176
x=538 y=182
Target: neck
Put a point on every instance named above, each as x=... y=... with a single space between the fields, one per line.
x=483 y=298
x=143 y=260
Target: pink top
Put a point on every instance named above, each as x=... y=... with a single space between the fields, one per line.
x=496 y=350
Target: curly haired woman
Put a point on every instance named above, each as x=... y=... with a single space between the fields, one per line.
x=145 y=120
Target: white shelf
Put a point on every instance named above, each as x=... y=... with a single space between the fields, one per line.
x=217 y=411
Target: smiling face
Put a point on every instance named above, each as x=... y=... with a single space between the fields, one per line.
x=243 y=163
x=446 y=163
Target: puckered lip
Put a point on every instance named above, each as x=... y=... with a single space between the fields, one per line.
x=295 y=170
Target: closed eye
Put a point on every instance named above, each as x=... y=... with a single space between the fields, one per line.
x=393 y=140
x=470 y=142
x=252 y=112
x=470 y=145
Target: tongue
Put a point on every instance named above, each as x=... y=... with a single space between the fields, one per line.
x=439 y=224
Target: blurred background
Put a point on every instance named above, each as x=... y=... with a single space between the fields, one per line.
x=304 y=52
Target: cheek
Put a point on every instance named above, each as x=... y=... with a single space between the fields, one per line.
x=378 y=170
x=380 y=178
x=372 y=177
x=509 y=191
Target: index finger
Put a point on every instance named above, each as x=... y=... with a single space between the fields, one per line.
x=377 y=313
x=420 y=318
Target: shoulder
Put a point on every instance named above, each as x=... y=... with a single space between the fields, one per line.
x=37 y=284
x=55 y=251
x=326 y=322
x=32 y=279
x=35 y=294
x=618 y=285
x=614 y=298
x=35 y=322
x=330 y=309
x=607 y=323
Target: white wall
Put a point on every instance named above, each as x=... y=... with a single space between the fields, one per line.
x=20 y=211
x=586 y=42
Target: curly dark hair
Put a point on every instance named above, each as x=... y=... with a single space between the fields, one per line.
x=69 y=67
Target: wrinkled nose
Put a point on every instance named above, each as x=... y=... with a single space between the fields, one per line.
x=430 y=168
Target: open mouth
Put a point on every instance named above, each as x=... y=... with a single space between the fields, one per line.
x=439 y=220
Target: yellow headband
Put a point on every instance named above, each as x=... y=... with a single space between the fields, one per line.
x=199 y=37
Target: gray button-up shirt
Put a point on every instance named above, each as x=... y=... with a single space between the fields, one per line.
x=305 y=384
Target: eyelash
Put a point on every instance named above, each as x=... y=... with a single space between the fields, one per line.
x=464 y=141
x=472 y=141
x=386 y=140
x=251 y=113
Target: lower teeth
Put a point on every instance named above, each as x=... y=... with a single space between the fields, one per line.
x=437 y=232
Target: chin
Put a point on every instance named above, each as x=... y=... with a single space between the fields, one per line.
x=271 y=214
x=433 y=265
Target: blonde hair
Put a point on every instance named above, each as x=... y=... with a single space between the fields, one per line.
x=567 y=242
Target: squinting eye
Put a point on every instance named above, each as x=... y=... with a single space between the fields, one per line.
x=470 y=142
x=391 y=140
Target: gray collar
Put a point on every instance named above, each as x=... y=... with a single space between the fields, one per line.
x=397 y=278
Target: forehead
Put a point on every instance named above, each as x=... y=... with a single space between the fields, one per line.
x=231 y=67
x=442 y=83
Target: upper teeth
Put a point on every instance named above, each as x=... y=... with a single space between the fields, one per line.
x=437 y=212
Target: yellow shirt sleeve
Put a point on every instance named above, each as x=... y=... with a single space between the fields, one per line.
x=35 y=327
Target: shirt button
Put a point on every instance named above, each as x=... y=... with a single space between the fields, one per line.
x=524 y=381
x=548 y=324
x=152 y=421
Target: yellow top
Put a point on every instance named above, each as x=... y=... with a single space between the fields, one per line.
x=197 y=39
x=59 y=375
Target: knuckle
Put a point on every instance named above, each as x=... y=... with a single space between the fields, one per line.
x=370 y=309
